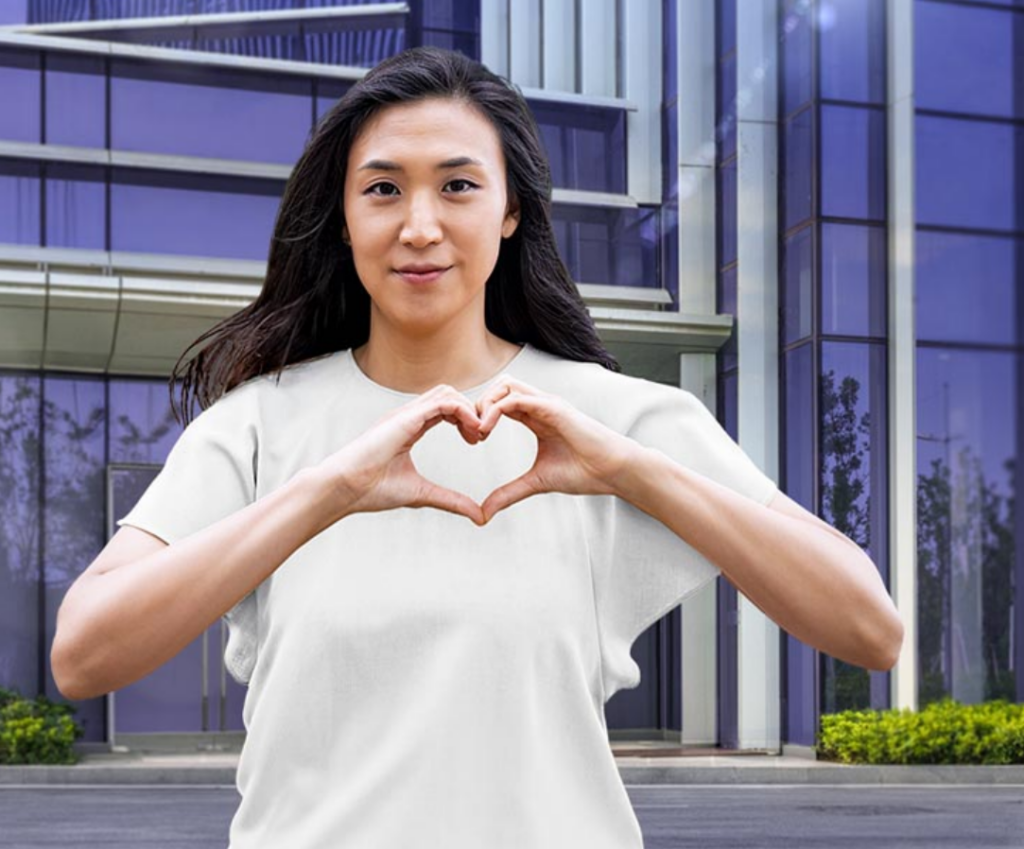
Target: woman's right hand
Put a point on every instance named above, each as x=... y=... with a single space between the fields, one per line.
x=375 y=471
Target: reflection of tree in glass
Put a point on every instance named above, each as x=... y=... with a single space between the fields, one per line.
x=965 y=553
x=846 y=504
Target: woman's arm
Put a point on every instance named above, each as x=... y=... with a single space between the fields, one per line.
x=812 y=581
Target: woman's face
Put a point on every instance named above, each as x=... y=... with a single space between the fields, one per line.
x=425 y=186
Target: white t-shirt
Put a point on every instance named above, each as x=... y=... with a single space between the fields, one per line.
x=416 y=680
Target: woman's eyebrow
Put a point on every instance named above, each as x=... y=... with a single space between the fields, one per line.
x=388 y=165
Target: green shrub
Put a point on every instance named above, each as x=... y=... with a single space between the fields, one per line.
x=944 y=732
x=36 y=732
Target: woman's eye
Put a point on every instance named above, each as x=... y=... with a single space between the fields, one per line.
x=372 y=189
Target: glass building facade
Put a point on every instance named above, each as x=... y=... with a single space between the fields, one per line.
x=804 y=211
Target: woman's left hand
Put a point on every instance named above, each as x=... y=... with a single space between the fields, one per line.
x=576 y=454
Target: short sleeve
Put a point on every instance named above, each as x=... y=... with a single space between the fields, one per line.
x=210 y=473
x=642 y=569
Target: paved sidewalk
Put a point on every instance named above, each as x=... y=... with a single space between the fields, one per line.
x=639 y=764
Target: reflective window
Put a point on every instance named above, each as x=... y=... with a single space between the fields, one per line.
x=967 y=173
x=19 y=82
x=853 y=162
x=728 y=353
x=967 y=287
x=200 y=215
x=586 y=145
x=670 y=248
x=76 y=100
x=19 y=202
x=853 y=274
x=727 y=214
x=968 y=415
x=853 y=480
x=968 y=59
x=328 y=93
x=795 y=51
x=726 y=26
x=797 y=162
x=208 y=112
x=852 y=50
x=726 y=128
x=142 y=426
x=798 y=278
x=76 y=206
x=609 y=246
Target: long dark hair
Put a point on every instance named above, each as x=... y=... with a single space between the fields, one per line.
x=312 y=302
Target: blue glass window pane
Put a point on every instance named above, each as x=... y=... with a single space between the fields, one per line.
x=205 y=112
x=852 y=57
x=797 y=164
x=727 y=216
x=670 y=59
x=968 y=60
x=142 y=428
x=967 y=173
x=14 y=12
x=359 y=49
x=670 y=248
x=616 y=247
x=586 y=145
x=853 y=481
x=75 y=100
x=328 y=93
x=670 y=151
x=967 y=288
x=19 y=82
x=452 y=14
x=196 y=215
x=726 y=129
x=726 y=26
x=798 y=277
x=728 y=354
x=853 y=162
x=462 y=42
x=968 y=414
x=76 y=206
x=19 y=202
x=853 y=275
x=796 y=56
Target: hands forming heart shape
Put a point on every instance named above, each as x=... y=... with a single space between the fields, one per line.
x=576 y=454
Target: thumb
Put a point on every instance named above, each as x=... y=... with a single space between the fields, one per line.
x=432 y=495
x=508 y=494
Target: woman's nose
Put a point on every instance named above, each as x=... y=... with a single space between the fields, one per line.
x=422 y=224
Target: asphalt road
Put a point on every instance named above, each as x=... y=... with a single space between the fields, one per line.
x=708 y=817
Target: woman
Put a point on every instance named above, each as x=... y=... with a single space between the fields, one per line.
x=416 y=678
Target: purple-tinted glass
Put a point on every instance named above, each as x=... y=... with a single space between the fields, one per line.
x=202 y=112
x=76 y=206
x=968 y=173
x=727 y=214
x=328 y=93
x=795 y=32
x=142 y=426
x=852 y=56
x=586 y=145
x=726 y=35
x=798 y=279
x=797 y=166
x=452 y=14
x=19 y=202
x=76 y=100
x=968 y=288
x=798 y=479
x=968 y=414
x=19 y=82
x=729 y=351
x=670 y=151
x=670 y=248
x=968 y=60
x=467 y=43
x=670 y=57
x=19 y=537
x=726 y=126
x=853 y=162
x=14 y=12
x=853 y=274
x=617 y=247
x=853 y=482
x=361 y=49
x=74 y=416
x=153 y=212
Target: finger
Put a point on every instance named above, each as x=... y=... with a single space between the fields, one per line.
x=508 y=494
x=515 y=406
x=455 y=409
x=432 y=495
x=504 y=385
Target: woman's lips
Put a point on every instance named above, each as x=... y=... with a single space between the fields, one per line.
x=426 y=277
